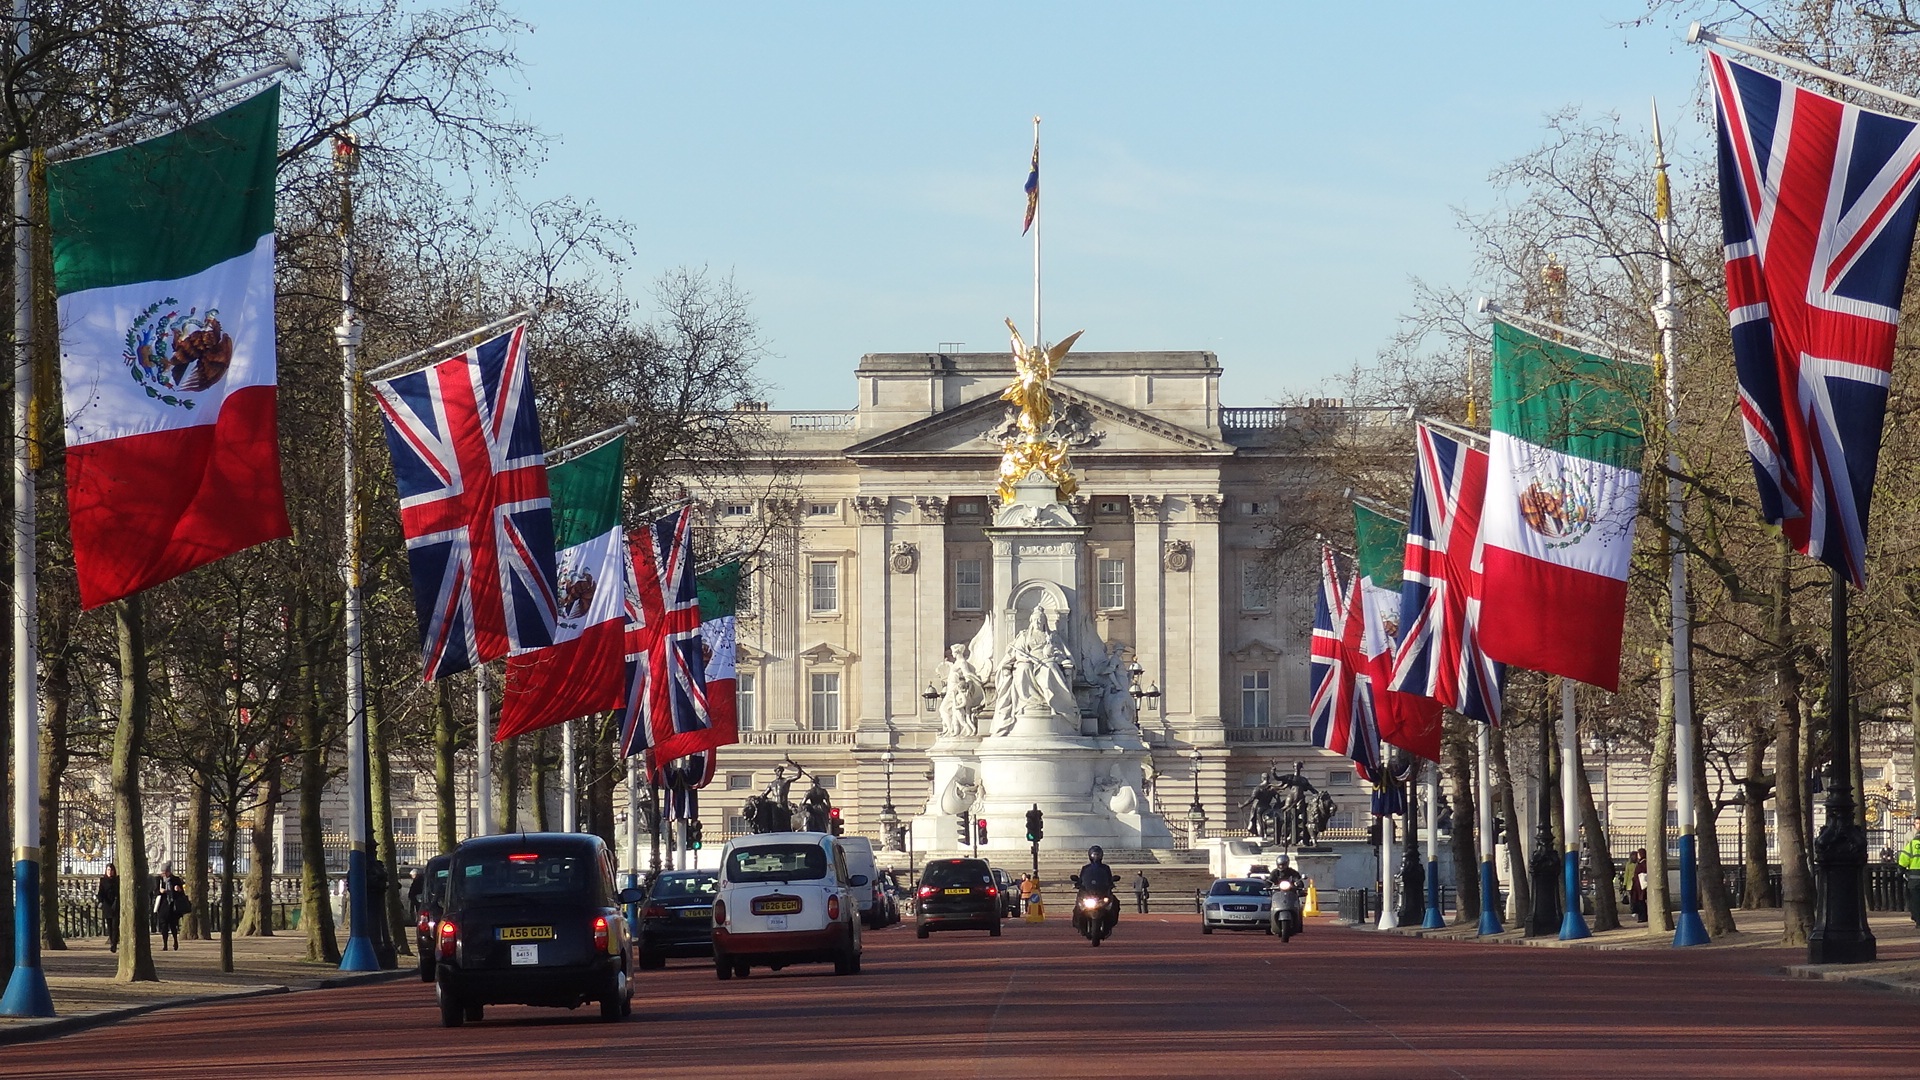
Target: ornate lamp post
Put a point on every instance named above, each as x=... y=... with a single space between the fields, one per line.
x=889 y=818
x=1196 y=814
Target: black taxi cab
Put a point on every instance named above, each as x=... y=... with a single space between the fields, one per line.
x=532 y=919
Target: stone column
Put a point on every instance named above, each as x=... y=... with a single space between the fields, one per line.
x=1210 y=600
x=869 y=600
x=1150 y=592
x=929 y=616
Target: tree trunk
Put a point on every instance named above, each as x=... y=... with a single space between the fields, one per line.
x=506 y=784
x=604 y=775
x=1758 y=892
x=229 y=845
x=1659 y=775
x=129 y=829
x=1790 y=774
x=195 y=926
x=55 y=753
x=1716 y=904
x=1606 y=904
x=316 y=906
x=1463 y=840
x=379 y=774
x=540 y=774
x=1519 y=884
x=258 y=921
x=443 y=771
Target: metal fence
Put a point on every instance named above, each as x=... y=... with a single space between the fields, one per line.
x=81 y=914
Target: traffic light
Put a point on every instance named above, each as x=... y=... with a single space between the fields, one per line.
x=834 y=824
x=693 y=834
x=1036 y=824
x=965 y=825
x=980 y=830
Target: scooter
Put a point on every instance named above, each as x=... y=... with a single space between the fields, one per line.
x=1286 y=909
x=1094 y=914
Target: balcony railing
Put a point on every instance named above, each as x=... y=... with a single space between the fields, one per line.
x=796 y=738
x=1295 y=736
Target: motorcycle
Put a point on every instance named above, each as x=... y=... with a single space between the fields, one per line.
x=1286 y=909
x=1094 y=914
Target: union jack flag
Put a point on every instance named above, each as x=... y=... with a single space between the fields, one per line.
x=465 y=441
x=666 y=711
x=1817 y=207
x=1439 y=655
x=1337 y=707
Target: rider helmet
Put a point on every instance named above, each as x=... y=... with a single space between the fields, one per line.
x=1095 y=853
x=1282 y=860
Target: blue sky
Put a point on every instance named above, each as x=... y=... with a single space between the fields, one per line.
x=1258 y=179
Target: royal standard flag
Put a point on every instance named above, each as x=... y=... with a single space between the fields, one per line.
x=1563 y=489
x=584 y=670
x=163 y=263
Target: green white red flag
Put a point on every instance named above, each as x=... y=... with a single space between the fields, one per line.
x=163 y=262
x=584 y=670
x=1408 y=721
x=1563 y=490
x=719 y=602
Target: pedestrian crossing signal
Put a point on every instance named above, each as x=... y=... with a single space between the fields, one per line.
x=1036 y=825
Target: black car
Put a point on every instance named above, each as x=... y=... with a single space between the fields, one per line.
x=676 y=918
x=532 y=919
x=957 y=894
x=427 y=895
x=1009 y=894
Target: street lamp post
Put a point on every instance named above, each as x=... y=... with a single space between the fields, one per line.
x=1196 y=814
x=889 y=817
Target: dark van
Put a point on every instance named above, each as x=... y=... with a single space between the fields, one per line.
x=532 y=919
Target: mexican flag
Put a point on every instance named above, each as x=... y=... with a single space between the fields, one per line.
x=719 y=600
x=584 y=670
x=1563 y=488
x=1405 y=720
x=163 y=263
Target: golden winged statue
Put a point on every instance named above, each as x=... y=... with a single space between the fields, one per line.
x=1033 y=447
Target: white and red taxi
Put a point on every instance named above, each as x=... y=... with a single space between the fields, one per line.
x=785 y=898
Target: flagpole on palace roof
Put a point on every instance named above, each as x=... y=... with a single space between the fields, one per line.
x=1039 y=342
x=1688 y=929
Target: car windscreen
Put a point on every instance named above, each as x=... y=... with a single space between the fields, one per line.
x=504 y=874
x=957 y=872
x=682 y=886
x=1239 y=888
x=777 y=862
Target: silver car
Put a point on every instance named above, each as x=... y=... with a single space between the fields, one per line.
x=1236 y=904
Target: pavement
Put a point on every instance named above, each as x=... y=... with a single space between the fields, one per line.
x=1896 y=940
x=80 y=979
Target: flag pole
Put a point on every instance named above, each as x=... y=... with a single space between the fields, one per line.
x=483 y=750
x=1573 y=924
x=1039 y=342
x=1550 y=328
x=569 y=809
x=1433 y=919
x=1489 y=882
x=359 y=955
x=26 y=993
x=448 y=343
x=1688 y=929
x=1700 y=35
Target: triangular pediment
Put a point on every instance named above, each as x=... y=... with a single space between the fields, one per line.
x=1094 y=426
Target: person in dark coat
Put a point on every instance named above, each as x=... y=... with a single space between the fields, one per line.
x=168 y=908
x=161 y=884
x=1637 y=885
x=109 y=896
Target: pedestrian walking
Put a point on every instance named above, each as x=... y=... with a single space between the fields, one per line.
x=1910 y=862
x=109 y=896
x=1140 y=890
x=168 y=909
x=1637 y=885
x=158 y=886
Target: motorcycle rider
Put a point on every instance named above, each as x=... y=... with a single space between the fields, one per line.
x=1096 y=878
x=1284 y=870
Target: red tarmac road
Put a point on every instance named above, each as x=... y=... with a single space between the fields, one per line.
x=1157 y=1000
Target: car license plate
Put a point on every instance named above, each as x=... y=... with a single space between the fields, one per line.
x=696 y=913
x=777 y=905
x=525 y=933
x=776 y=922
x=525 y=954
x=959 y=892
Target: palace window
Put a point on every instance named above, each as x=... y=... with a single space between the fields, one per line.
x=825 y=713
x=738 y=510
x=966 y=585
x=1339 y=778
x=1254 y=509
x=1256 y=691
x=743 y=699
x=968 y=508
x=824 y=582
x=1112 y=507
x=739 y=781
x=1253 y=587
x=823 y=509
x=1113 y=584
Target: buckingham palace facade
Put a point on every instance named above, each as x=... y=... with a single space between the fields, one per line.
x=844 y=628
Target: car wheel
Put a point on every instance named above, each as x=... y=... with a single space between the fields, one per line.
x=452 y=1013
x=476 y=1012
x=741 y=969
x=722 y=967
x=1204 y=927
x=652 y=962
x=922 y=932
x=616 y=993
x=426 y=968
x=994 y=930
x=856 y=961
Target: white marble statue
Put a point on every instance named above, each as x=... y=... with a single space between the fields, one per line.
x=965 y=692
x=1112 y=683
x=1036 y=678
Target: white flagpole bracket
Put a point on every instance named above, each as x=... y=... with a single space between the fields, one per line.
x=292 y=61
x=1454 y=430
x=1547 y=326
x=1700 y=35
x=555 y=455
x=478 y=331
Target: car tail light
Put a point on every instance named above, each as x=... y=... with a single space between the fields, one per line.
x=600 y=934
x=833 y=909
x=991 y=891
x=425 y=924
x=719 y=912
x=449 y=935
x=654 y=911
x=926 y=890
